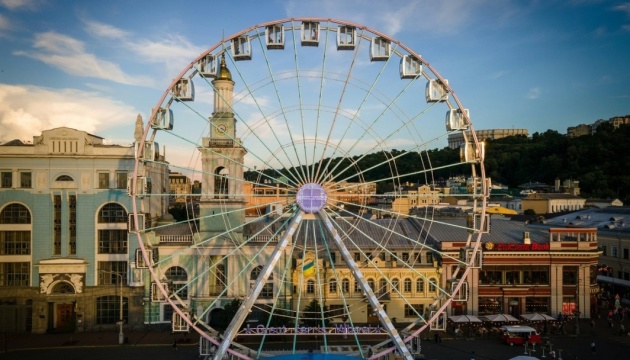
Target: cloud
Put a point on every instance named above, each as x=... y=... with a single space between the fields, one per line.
x=625 y=7
x=69 y=55
x=5 y=24
x=101 y=30
x=533 y=93
x=20 y=4
x=27 y=110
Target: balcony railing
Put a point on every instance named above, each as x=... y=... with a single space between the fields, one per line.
x=176 y=239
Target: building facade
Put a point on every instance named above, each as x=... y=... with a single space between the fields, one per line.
x=65 y=248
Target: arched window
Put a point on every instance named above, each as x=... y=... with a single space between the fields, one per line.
x=345 y=285
x=221 y=183
x=62 y=288
x=407 y=286
x=15 y=236
x=178 y=277
x=382 y=286
x=420 y=285
x=64 y=178
x=267 y=290
x=15 y=214
x=396 y=284
x=112 y=213
x=310 y=287
x=332 y=286
x=432 y=284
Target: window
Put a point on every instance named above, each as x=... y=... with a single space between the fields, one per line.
x=625 y=253
x=414 y=310
x=178 y=279
x=357 y=256
x=430 y=258
x=25 y=180
x=432 y=284
x=15 y=214
x=345 y=285
x=6 y=179
x=614 y=251
x=64 y=178
x=405 y=257
x=112 y=241
x=382 y=286
x=112 y=213
x=418 y=258
x=108 y=309
x=569 y=275
x=332 y=286
x=420 y=285
x=310 y=287
x=103 y=180
x=267 y=290
x=121 y=180
x=604 y=251
x=357 y=288
x=14 y=274
x=112 y=272
x=72 y=228
x=396 y=285
x=407 y=286
x=15 y=242
x=57 y=224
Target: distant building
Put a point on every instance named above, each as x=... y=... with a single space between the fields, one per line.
x=547 y=203
x=584 y=129
x=603 y=203
x=180 y=187
x=456 y=139
x=580 y=130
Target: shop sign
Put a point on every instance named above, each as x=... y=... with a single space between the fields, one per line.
x=517 y=247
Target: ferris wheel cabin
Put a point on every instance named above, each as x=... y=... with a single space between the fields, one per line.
x=310 y=33
x=410 y=67
x=346 y=37
x=380 y=49
x=207 y=66
x=241 y=48
x=183 y=90
x=163 y=119
x=436 y=91
x=274 y=35
x=455 y=120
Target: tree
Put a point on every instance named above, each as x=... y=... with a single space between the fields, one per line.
x=311 y=316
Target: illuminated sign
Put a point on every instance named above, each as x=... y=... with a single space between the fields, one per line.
x=306 y=330
x=521 y=247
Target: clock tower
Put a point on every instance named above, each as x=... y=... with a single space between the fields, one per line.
x=222 y=203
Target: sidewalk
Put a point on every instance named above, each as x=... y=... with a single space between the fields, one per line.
x=11 y=341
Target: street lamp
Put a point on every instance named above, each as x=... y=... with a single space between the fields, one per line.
x=121 y=335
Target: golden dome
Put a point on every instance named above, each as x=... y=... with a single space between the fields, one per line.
x=224 y=72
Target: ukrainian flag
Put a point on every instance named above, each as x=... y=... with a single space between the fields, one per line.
x=308 y=268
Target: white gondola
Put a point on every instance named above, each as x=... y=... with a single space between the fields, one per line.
x=455 y=120
x=163 y=119
x=462 y=294
x=410 y=67
x=207 y=66
x=274 y=35
x=142 y=186
x=466 y=255
x=151 y=253
x=183 y=90
x=310 y=33
x=440 y=322
x=156 y=294
x=151 y=151
x=473 y=223
x=179 y=324
x=380 y=49
x=469 y=153
x=206 y=347
x=131 y=224
x=241 y=48
x=346 y=37
x=436 y=91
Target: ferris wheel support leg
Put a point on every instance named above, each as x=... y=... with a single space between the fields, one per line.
x=255 y=290
x=371 y=297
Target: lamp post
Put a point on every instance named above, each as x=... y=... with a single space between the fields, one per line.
x=121 y=335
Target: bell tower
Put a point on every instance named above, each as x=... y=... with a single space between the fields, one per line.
x=222 y=203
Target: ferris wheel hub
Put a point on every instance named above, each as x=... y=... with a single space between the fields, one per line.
x=311 y=198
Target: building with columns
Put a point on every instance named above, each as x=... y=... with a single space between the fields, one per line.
x=526 y=269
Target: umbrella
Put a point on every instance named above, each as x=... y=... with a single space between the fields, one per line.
x=500 y=210
x=524 y=357
x=465 y=319
x=500 y=318
x=537 y=317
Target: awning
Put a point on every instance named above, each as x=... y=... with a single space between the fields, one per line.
x=464 y=319
x=500 y=318
x=612 y=280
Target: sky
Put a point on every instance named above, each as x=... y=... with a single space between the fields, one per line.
x=96 y=65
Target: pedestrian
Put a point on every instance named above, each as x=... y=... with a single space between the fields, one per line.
x=593 y=347
x=174 y=344
x=472 y=355
x=436 y=337
x=552 y=353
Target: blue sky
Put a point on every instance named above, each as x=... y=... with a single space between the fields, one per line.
x=95 y=65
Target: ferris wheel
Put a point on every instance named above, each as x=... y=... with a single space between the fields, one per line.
x=310 y=145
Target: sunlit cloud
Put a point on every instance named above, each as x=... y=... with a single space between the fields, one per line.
x=101 y=30
x=28 y=110
x=533 y=93
x=625 y=7
x=69 y=55
x=21 y=4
